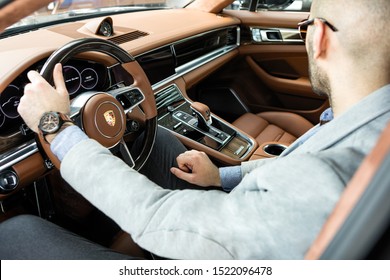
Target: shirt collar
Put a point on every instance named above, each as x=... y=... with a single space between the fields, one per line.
x=326 y=116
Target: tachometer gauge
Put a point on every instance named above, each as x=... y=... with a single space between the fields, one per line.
x=89 y=78
x=72 y=78
x=9 y=101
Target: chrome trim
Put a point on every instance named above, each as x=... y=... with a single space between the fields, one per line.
x=290 y=35
x=123 y=146
x=238 y=36
x=37 y=199
x=184 y=69
x=287 y=35
x=17 y=154
x=239 y=100
x=168 y=95
x=13 y=134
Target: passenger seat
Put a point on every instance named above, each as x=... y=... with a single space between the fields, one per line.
x=281 y=127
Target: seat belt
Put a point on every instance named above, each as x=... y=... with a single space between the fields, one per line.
x=353 y=191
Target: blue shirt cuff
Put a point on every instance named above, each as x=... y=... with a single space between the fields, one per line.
x=230 y=177
x=65 y=141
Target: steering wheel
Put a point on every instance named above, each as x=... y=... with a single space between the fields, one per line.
x=103 y=115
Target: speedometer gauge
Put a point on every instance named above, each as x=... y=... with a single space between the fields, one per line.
x=72 y=78
x=9 y=102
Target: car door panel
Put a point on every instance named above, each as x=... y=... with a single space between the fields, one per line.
x=270 y=74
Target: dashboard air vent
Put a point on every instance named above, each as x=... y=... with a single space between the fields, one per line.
x=124 y=38
x=168 y=97
x=232 y=36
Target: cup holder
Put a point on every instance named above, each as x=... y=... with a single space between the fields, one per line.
x=274 y=149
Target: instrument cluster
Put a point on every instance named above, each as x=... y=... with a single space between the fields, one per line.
x=79 y=75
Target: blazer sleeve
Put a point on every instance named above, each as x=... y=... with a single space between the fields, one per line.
x=274 y=213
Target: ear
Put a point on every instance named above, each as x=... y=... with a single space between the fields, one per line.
x=319 y=39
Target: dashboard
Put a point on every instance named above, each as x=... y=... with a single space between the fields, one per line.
x=160 y=64
x=178 y=47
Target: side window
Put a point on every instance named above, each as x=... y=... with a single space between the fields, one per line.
x=272 y=5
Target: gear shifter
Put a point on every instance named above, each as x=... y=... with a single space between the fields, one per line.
x=201 y=122
x=203 y=115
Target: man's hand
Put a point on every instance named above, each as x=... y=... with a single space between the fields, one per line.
x=196 y=168
x=40 y=97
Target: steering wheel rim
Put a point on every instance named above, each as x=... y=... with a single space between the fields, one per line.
x=141 y=82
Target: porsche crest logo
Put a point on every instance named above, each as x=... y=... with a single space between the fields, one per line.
x=109 y=116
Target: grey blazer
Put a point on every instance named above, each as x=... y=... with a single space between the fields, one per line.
x=274 y=213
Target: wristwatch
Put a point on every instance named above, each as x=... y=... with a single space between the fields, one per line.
x=51 y=122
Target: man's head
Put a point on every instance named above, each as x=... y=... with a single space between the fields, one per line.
x=361 y=41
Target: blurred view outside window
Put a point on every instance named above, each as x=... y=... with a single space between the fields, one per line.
x=297 y=5
x=67 y=9
x=63 y=10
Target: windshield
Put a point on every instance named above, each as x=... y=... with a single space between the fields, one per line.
x=72 y=9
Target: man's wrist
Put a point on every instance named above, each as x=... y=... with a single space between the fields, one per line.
x=64 y=141
x=50 y=137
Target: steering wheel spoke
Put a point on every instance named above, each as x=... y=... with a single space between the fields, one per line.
x=77 y=104
x=125 y=153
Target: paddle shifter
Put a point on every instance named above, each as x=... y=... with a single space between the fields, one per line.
x=203 y=115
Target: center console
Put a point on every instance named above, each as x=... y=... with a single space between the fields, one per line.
x=198 y=129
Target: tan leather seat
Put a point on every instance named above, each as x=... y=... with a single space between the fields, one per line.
x=279 y=127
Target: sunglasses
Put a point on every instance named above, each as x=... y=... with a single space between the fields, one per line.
x=303 y=25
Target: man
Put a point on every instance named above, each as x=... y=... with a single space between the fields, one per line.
x=279 y=205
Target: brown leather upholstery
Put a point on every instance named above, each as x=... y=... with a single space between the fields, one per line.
x=279 y=127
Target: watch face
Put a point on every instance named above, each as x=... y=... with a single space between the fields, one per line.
x=50 y=122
